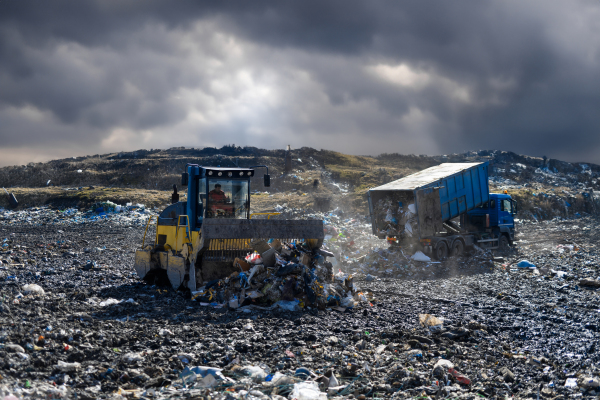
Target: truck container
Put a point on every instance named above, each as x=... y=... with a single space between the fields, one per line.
x=423 y=210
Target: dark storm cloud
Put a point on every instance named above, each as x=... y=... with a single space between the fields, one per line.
x=360 y=77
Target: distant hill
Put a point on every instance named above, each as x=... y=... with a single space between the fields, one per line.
x=143 y=175
x=159 y=169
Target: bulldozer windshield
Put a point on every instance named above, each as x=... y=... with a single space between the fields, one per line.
x=227 y=198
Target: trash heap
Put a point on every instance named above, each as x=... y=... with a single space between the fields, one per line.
x=69 y=331
x=290 y=276
x=395 y=215
x=130 y=214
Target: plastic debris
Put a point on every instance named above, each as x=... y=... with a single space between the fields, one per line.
x=32 y=288
x=307 y=391
x=419 y=256
x=526 y=264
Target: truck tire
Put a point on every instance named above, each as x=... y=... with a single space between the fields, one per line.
x=440 y=252
x=458 y=248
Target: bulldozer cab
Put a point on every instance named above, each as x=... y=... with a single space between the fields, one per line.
x=224 y=198
x=215 y=192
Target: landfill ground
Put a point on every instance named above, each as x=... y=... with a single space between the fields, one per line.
x=98 y=331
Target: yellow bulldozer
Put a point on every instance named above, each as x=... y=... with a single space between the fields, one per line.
x=198 y=240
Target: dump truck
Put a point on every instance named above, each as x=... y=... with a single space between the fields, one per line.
x=443 y=210
x=199 y=239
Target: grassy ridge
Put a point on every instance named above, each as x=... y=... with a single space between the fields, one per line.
x=86 y=197
x=147 y=176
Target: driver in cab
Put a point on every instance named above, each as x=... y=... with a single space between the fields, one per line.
x=217 y=195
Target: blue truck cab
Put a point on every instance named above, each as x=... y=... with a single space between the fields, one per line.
x=494 y=218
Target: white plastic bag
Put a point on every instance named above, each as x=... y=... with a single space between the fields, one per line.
x=256 y=270
x=257 y=374
x=307 y=391
x=419 y=256
x=389 y=217
x=32 y=288
x=234 y=302
x=348 y=301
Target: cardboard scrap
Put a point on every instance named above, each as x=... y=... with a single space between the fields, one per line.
x=429 y=320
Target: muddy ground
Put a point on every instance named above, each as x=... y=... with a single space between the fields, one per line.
x=100 y=332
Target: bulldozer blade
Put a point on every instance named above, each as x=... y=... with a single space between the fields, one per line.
x=216 y=228
x=223 y=240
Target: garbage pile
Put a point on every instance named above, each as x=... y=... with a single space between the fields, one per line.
x=130 y=214
x=69 y=328
x=290 y=276
x=395 y=215
x=552 y=177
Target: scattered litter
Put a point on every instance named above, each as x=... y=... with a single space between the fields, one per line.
x=526 y=264
x=32 y=288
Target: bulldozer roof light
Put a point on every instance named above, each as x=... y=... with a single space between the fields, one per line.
x=230 y=172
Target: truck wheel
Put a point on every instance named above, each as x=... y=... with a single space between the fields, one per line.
x=441 y=251
x=503 y=244
x=458 y=248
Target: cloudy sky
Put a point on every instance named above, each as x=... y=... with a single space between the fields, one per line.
x=360 y=77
